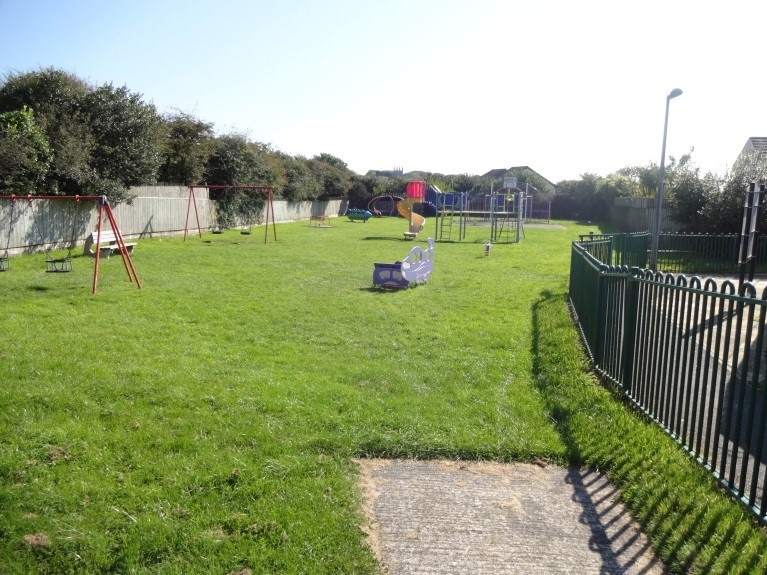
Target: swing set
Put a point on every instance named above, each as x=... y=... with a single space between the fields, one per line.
x=64 y=265
x=269 y=206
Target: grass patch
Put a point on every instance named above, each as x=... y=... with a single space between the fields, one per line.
x=206 y=422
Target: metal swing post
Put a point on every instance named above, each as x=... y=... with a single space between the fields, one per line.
x=5 y=261
x=104 y=207
x=270 y=205
x=192 y=200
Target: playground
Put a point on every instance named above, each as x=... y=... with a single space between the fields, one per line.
x=209 y=421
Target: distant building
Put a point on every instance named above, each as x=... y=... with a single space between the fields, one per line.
x=395 y=173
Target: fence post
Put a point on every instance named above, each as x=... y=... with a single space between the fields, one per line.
x=601 y=317
x=629 y=328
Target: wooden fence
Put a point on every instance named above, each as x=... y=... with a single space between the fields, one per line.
x=152 y=211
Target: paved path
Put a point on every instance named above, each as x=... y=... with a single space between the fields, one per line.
x=438 y=517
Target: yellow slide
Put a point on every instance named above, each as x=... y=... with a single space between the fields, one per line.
x=405 y=209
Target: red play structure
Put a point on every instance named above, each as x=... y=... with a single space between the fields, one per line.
x=104 y=210
x=269 y=206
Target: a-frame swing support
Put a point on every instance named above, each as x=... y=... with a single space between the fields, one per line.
x=104 y=210
x=192 y=201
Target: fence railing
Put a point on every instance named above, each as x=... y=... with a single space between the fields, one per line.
x=701 y=254
x=688 y=353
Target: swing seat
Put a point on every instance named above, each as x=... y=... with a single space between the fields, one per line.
x=60 y=265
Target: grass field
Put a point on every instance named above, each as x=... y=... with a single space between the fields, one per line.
x=206 y=423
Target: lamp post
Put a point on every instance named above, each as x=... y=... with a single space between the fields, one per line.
x=661 y=176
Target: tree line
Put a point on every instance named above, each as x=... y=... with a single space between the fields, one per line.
x=60 y=135
x=698 y=202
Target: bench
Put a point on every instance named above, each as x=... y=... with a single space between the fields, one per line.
x=108 y=244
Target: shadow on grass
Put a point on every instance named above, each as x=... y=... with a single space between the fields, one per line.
x=38 y=288
x=389 y=239
x=693 y=526
x=376 y=289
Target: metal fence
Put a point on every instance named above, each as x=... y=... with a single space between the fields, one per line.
x=689 y=353
x=702 y=254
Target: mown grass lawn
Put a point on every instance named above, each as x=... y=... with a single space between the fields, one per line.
x=207 y=422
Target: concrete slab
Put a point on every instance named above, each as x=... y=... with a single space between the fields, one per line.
x=440 y=517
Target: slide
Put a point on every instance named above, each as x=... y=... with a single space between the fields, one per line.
x=405 y=209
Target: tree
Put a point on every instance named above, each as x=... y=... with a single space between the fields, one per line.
x=359 y=196
x=459 y=183
x=187 y=147
x=235 y=163
x=332 y=160
x=56 y=98
x=333 y=175
x=302 y=183
x=127 y=136
x=687 y=198
x=579 y=199
x=25 y=155
x=277 y=167
x=723 y=209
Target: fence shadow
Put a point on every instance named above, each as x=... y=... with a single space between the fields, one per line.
x=691 y=534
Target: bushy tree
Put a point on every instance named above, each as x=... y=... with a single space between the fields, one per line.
x=458 y=183
x=579 y=200
x=102 y=140
x=127 y=138
x=643 y=178
x=235 y=162
x=687 y=196
x=187 y=146
x=303 y=183
x=359 y=196
x=332 y=160
x=277 y=167
x=333 y=175
x=723 y=208
x=56 y=98
x=25 y=155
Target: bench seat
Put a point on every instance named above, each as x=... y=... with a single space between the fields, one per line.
x=108 y=245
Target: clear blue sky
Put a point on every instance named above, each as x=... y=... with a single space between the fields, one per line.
x=451 y=86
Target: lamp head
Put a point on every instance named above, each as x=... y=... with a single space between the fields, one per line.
x=674 y=93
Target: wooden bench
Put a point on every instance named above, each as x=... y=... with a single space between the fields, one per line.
x=108 y=244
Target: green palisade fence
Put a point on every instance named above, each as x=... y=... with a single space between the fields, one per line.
x=689 y=353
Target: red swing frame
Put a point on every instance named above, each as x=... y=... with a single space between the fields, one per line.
x=104 y=210
x=269 y=206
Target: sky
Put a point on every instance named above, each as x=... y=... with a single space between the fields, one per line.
x=447 y=86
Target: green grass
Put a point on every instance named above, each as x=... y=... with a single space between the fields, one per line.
x=207 y=422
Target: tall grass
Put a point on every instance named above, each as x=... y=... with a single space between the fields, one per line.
x=206 y=422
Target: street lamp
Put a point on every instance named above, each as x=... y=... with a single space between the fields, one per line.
x=661 y=176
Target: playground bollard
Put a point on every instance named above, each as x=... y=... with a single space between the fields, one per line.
x=488 y=245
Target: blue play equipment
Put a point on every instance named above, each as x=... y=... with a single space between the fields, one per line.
x=355 y=214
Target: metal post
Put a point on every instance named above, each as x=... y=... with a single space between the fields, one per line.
x=661 y=176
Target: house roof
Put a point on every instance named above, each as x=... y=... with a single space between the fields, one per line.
x=758 y=145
